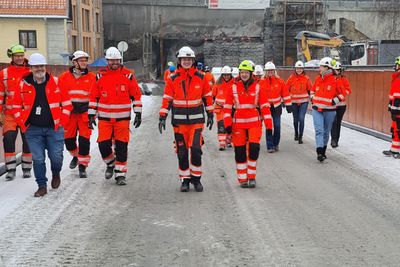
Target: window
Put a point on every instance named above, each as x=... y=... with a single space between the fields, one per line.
x=97 y=22
x=85 y=20
x=28 y=39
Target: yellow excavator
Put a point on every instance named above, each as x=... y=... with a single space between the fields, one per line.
x=305 y=39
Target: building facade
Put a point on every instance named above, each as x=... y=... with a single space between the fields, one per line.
x=54 y=28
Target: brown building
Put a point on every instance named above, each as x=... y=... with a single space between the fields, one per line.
x=87 y=27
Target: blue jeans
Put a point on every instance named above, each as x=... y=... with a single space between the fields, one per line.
x=274 y=139
x=299 y=114
x=41 y=139
x=323 y=124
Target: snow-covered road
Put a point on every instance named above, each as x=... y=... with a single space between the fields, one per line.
x=344 y=212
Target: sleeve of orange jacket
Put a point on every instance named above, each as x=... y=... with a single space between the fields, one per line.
x=340 y=90
x=289 y=83
x=136 y=96
x=228 y=107
x=17 y=104
x=346 y=86
x=2 y=91
x=285 y=93
x=215 y=90
x=168 y=97
x=207 y=97
x=66 y=106
x=94 y=96
x=264 y=105
x=309 y=85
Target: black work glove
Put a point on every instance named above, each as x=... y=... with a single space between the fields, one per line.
x=138 y=119
x=161 y=123
x=210 y=120
x=92 y=121
x=394 y=116
x=269 y=132
x=289 y=109
x=228 y=129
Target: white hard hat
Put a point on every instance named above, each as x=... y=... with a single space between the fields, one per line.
x=79 y=54
x=186 y=51
x=326 y=62
x=226 y=70
x=113 y=53
x=37 y=59
x=299 y=64
x=258 y=70
x=337 y=66
x=270 y=66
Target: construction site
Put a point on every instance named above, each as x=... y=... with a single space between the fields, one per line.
x=226 y=32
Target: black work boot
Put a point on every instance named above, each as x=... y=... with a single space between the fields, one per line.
x=198 y=187
x=334 y=143
x=185 y=185
x=120 y=179
x=252 y=183
x=324 y=151
x=296 y=136
x=26 y=173
x=320 y=155
x=109 y=172
x=73 y=163
x=10 y=175
x=244 y=184
x=82 y=171
x=300 y=139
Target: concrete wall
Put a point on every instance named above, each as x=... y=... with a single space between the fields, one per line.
x=57 y=40
x=376 y=23
x=9 y=35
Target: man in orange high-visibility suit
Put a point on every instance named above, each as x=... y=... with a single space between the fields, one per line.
x=78 y=81
x=10 y=78
x=220 y=88
x=394 y=109
x=111 y=100
x=209 y=76
x=187 y=92
x=170 y=69
x=251 y=107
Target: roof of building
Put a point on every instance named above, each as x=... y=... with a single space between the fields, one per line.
x=34 y=8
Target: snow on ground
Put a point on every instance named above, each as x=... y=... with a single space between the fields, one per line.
x=358 y=148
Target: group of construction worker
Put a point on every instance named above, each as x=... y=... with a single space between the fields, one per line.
x=50 y=112
x=242 y=104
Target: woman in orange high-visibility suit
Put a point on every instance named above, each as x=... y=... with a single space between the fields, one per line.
x=219 y=92
x=299 y=85
x=251 y=107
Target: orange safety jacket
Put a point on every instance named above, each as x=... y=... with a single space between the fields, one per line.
x=10 y=79
x=115 y=92
x=276 y=91
x=299 y=86
x=325 y=91
x=394 y=95
x=187 y=92
x=24 y=99
x=248 y=104
x=210 y=78
x=219 y=93
x=345 y=88
x=166 y=75
x=78 y=89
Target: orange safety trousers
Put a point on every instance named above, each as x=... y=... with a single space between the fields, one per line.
x=188 y=137
x=78 y=123
x=222 y=135
x=247 y=149
x=395 y=138
x=10 y=133
x=118 y=131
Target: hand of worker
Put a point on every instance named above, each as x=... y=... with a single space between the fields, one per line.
x=228 y=129
x=92 y=121
x=289 y=109
x=138 y=119
x=161 y=123
x=210 y=120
